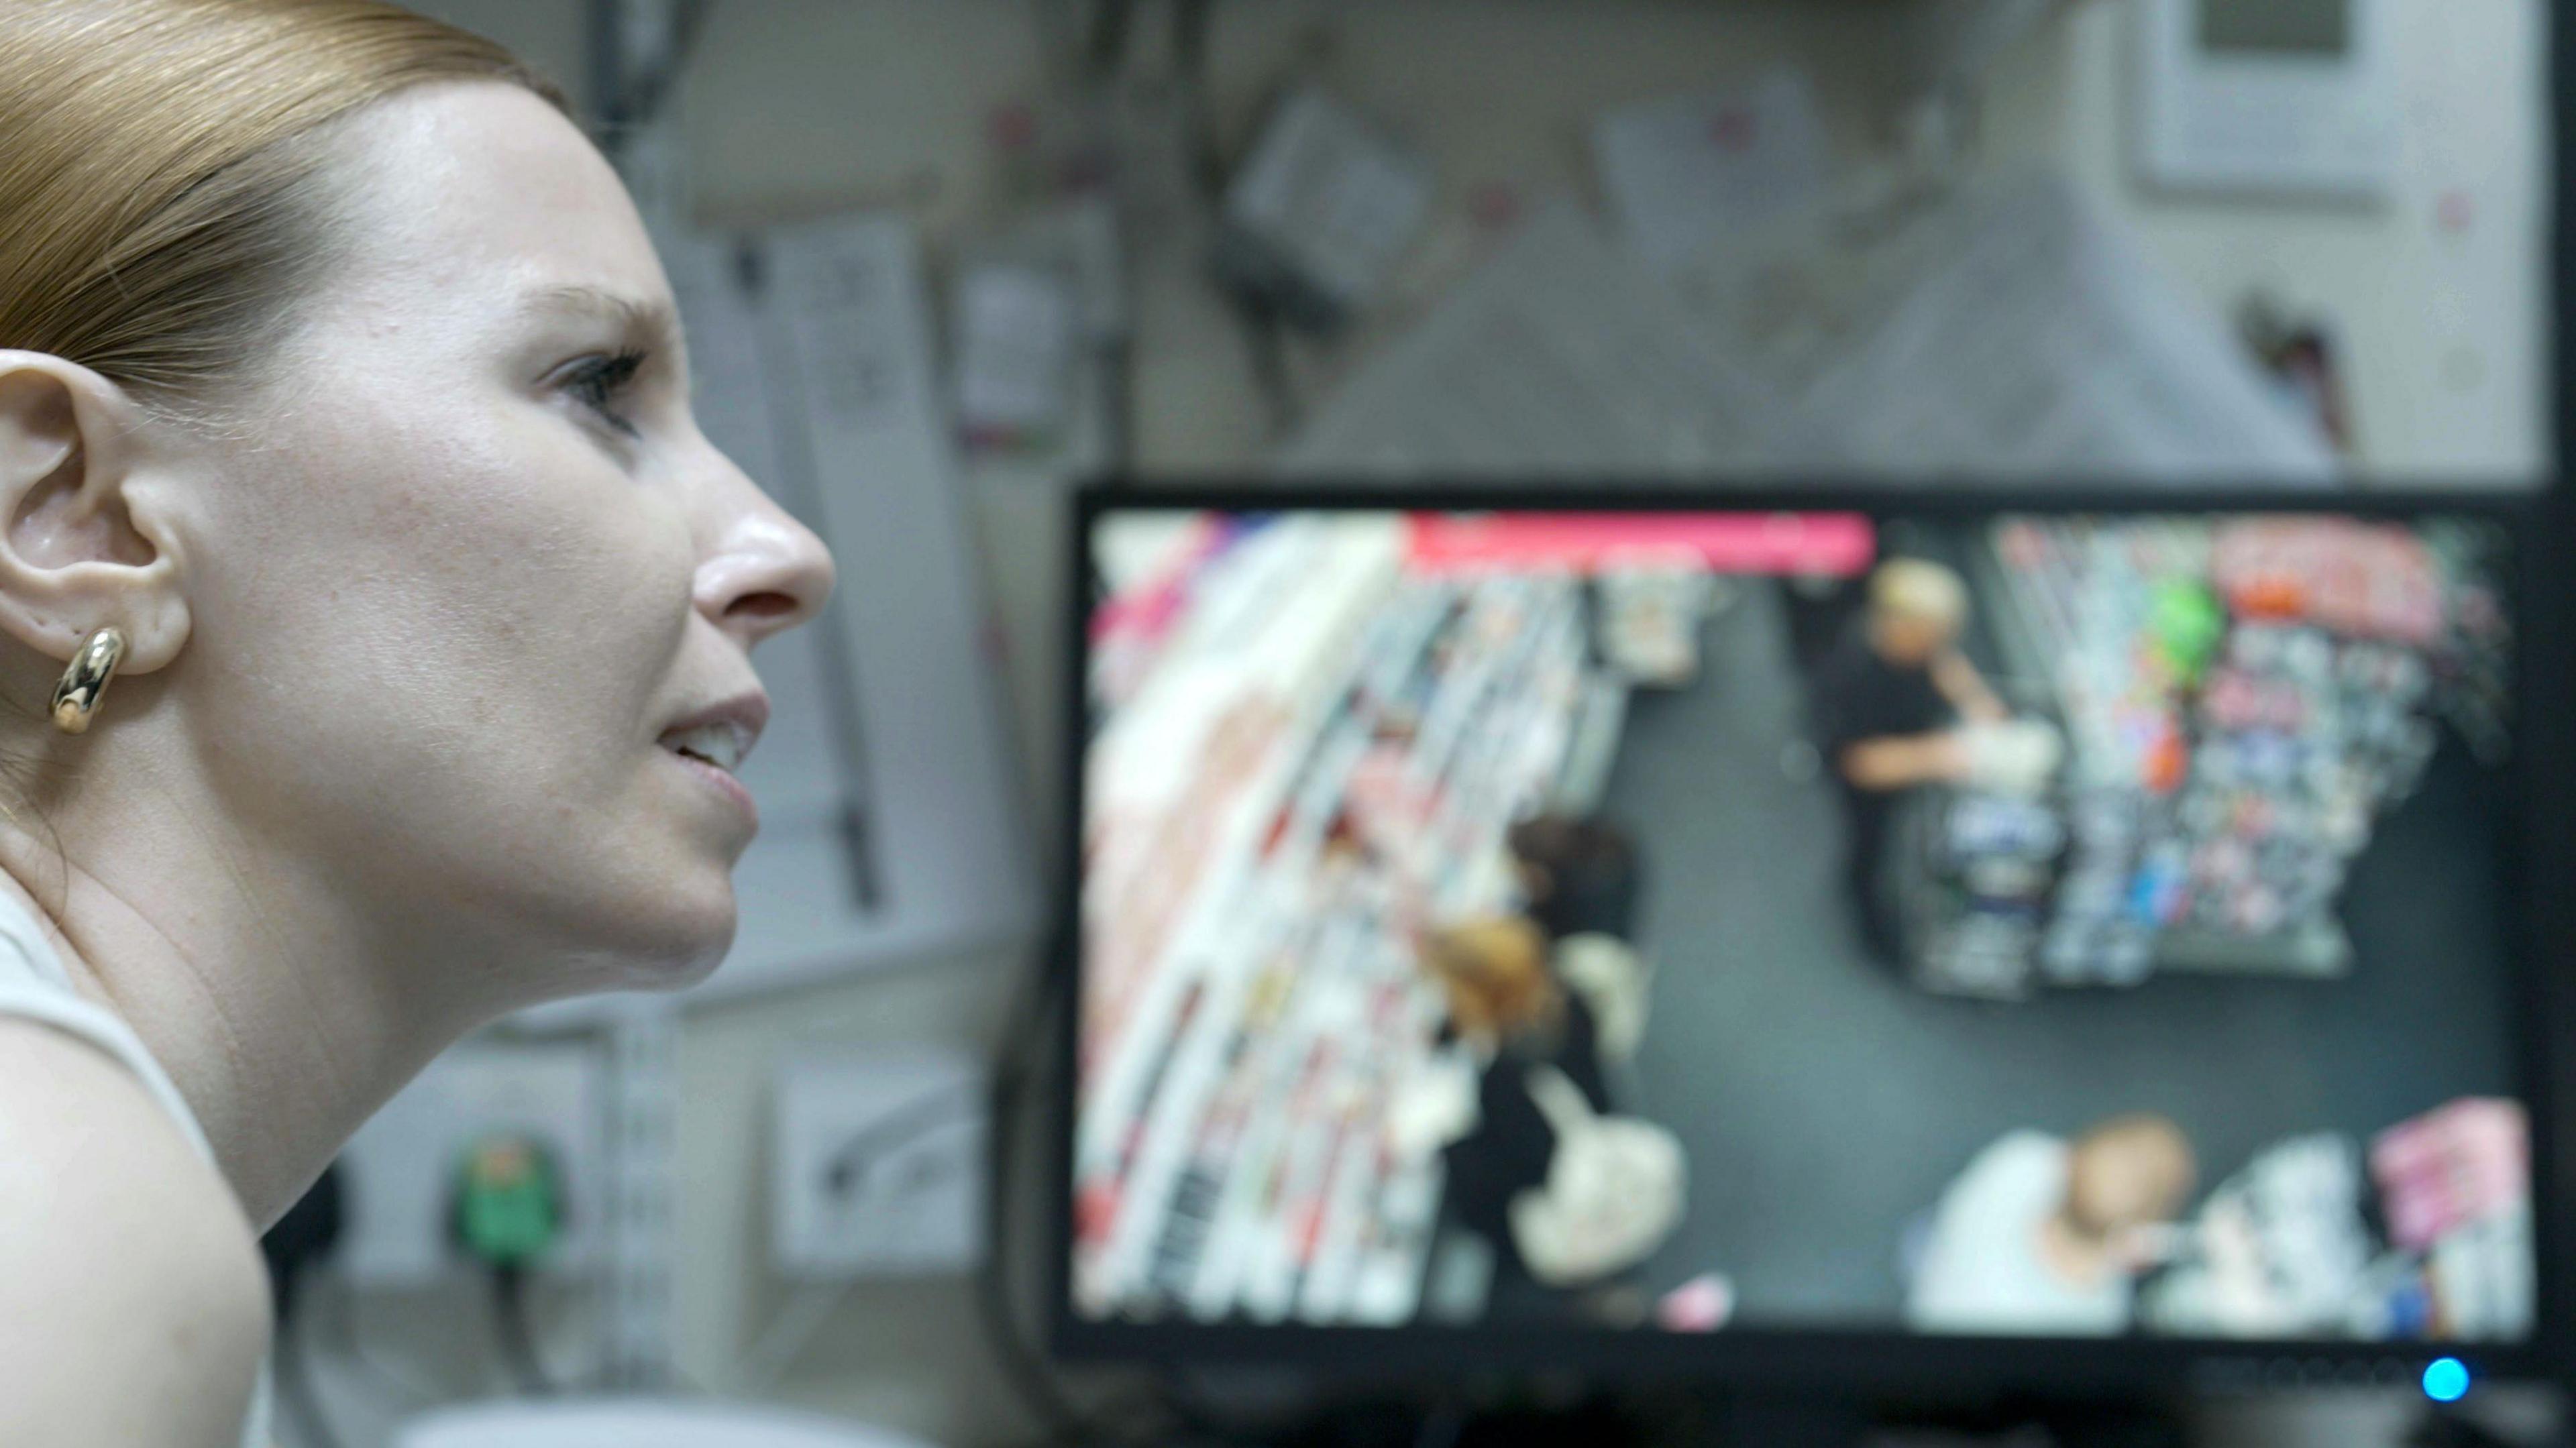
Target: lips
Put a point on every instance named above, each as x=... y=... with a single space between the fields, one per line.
x=721 y=736
x=722 y=745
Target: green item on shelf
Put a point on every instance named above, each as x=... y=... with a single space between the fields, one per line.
x=509 y=1201
x=2186 y=621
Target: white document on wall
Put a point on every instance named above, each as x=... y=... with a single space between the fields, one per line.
x=2004 y=333
x=1682 y=170
x=1561 y=356
x=891 y=824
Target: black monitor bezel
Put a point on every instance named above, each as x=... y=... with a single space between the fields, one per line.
x=2537 y=850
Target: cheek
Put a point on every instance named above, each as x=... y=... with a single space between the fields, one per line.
x=470 y=640
x=488 y=592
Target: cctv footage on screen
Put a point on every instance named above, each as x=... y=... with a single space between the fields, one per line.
x=2046 y=925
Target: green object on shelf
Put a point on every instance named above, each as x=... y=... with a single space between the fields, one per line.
x=2187 y=622
x=509 y=1201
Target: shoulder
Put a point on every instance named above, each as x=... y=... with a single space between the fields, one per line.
x=139 y=1307
x=2021 y=1163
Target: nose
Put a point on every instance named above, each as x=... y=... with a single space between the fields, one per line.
x=760 y=572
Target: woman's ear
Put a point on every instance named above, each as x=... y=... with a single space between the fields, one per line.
x=77 y=553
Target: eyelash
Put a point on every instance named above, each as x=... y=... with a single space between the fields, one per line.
x=600 y=381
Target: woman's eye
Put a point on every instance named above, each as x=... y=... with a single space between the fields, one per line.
x=599 y=382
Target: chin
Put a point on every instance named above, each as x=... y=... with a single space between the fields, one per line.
x=681 y=972
x=703 y=948
x=676 y=940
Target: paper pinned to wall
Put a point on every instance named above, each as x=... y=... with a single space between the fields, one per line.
x=1682 y=170
x=2002 y=333
x=1560 y=356
x=1075 y=432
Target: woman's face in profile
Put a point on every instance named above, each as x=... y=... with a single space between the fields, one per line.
x=472 y=600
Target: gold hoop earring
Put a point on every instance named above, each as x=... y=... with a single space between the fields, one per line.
x=76 y=698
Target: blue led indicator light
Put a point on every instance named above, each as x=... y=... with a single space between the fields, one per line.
x=2446 y=1380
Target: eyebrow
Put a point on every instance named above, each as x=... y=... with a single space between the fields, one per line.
x=647 y=321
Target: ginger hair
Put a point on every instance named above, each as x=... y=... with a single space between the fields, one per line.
x=166 y=184
x=1495 y=971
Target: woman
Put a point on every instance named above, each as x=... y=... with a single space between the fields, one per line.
x=344 y=427
x=1507 y=1008
x=1578 y=879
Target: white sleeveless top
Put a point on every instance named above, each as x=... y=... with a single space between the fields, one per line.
x=34 y=986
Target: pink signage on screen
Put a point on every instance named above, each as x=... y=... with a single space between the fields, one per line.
x=1832 y=545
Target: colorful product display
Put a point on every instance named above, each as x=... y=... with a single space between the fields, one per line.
x=1254 y=1023
x=2279 y=1250
x=2455 y=1186
x=2284 y=1248
x=2243 y=700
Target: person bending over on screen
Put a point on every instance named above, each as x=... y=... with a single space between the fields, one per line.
x=2044 y=1237
x=1508 y=1008
x=1887 y=702
x=344 y=426
x=1577 y=875
x=1578 y=880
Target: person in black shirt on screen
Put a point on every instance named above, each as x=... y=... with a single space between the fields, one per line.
x=1510 y=1010
x=1887 y=704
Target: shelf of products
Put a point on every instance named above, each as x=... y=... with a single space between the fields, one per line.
x=1972 y=875
x=2280 y=1250
x=2284 y=1248
x=1231 y=1158
x=2243 y=699
x=2106 y=618
x=1252 y=658
x=2455 y=1189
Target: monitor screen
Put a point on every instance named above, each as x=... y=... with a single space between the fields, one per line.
x=1978 y=923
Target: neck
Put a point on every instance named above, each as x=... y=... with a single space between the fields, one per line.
x=277 y=1013
x=2073 y=1253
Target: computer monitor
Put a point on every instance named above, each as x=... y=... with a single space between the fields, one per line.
x=1873 y=936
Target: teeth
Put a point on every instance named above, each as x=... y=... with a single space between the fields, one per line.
x=721 y=745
